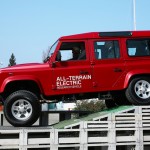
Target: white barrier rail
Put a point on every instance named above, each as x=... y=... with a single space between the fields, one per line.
x=128 y=130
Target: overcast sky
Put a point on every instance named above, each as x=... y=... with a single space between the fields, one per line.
x=29 y=27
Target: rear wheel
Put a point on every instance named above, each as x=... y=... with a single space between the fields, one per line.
x=138 y=91
x=22 y=108
x=118 y=99
x=110 y=103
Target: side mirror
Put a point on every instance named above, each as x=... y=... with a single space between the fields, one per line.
x=53 y=65
x=58 y=56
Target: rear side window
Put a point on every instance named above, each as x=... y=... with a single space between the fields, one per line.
x=106 y=49
x=138 y=47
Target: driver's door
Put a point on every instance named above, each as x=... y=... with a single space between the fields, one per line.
x=72 y=76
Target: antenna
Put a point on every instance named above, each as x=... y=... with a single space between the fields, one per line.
x=134 y=14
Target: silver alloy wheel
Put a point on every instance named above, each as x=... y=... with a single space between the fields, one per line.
x=142 y=89
x=21 y=109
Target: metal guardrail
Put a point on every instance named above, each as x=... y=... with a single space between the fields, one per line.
x=128 y=130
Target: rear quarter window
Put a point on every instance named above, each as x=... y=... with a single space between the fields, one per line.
x=138 y=47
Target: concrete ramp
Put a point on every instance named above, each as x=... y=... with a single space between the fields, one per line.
x=104 y=115
x=121 y=128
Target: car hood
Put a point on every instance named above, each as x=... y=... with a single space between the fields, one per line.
x=25 y=66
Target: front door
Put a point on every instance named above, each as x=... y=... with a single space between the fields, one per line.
x=72 y=72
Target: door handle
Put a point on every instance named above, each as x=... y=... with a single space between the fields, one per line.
x=84 y=72
x=117 y=70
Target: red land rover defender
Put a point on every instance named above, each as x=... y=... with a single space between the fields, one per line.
x=114 y=66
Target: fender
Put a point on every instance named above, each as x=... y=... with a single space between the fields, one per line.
x=20 y=78
x=133 y=73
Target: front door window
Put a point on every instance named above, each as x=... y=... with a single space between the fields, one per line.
x=72 y=51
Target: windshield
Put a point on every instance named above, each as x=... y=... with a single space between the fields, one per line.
x=52 y=49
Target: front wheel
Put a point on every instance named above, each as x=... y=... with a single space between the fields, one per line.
x=22 y=108
x=138 y=91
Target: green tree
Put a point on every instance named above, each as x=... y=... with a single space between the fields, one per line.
x=12 y=60
x=93 y=105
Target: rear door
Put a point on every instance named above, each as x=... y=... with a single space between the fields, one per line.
x=108 y=64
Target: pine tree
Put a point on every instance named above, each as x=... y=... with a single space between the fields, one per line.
x=12 y=60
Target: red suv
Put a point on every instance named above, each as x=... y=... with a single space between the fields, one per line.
x=107 y=65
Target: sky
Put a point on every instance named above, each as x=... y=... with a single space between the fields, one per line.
x=30 y=27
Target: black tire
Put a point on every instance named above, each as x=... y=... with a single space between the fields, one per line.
x=120 y=98
x=22 y=108
x=110 y=103
x=137 y=92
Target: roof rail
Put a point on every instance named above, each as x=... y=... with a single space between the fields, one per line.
x=115 y=34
